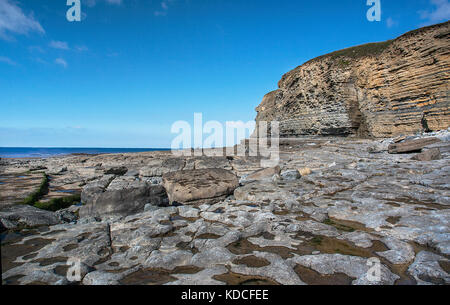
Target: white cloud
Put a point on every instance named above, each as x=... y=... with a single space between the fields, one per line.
x=439 y=14
x=62 y=45
x=14 y=21
x=7 y=60
x=61 y=62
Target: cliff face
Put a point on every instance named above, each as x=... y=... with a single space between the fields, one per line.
x=381 y=90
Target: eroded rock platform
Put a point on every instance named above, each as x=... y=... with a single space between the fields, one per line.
x=350 y=203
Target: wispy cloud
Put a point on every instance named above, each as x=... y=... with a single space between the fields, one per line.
x=7 y=60
x=81 y=48
x=164 y=8
x=112 y=54
x=62 y=45
x=91 y=3
x=14 y=21
x=61 y=62
x=391 y=22
x=37 y=49
x=117 y=2
x=40 y=60
x=439 y=14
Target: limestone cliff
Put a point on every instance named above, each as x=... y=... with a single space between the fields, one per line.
x=382 y=89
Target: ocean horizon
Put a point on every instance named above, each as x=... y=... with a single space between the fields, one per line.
x=47 y=152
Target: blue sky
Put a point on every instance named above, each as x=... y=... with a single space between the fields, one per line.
x=131 y=68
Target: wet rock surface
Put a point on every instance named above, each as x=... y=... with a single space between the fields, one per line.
x=324 y=227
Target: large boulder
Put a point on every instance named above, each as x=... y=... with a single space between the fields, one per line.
x=199 y=186
x=428 y=155
x=18 y=216
x=119 y=196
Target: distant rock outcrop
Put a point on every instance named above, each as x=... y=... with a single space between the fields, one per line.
x=382 y=89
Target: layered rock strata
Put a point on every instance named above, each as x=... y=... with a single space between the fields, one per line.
x=382 y=89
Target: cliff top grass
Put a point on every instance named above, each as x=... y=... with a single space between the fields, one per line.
x=376 y=48
x=368 y=49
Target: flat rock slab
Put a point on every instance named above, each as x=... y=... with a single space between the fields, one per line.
x=411 y=146
x=205 y=185
x=24 y=215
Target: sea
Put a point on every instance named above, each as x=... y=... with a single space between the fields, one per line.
x=46 y=152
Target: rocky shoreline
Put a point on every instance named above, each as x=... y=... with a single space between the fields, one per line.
x=320 y=217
